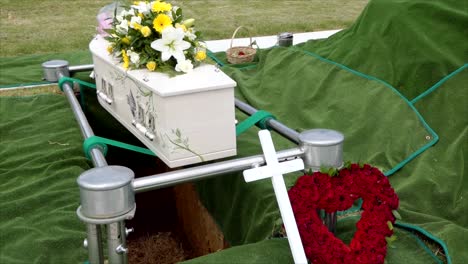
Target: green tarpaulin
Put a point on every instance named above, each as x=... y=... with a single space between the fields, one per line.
x=395 y=84
x=41 y=158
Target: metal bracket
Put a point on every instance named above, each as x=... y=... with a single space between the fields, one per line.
x=105 y=221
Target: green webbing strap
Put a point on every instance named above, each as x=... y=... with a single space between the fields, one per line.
x=422 y=231
x=213 y=57
x=416 y=229
x=73 y=80
x=82 y=84
x=259 y=118
x=102 y=143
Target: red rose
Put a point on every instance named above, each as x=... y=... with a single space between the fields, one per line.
x=320 y=191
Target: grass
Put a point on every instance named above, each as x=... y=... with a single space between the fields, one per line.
x=46 y=26
x=53 y=26
x=48 y=89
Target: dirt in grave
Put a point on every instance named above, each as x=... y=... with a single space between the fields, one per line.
x=157 y=237
x=170 y=224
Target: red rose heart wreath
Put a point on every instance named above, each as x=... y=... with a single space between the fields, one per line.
x=338 y=193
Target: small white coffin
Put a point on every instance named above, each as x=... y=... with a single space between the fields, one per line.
x=184 y=120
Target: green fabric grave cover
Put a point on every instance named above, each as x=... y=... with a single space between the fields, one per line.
x=41 y=157
x=27 y=70
x=395 y=85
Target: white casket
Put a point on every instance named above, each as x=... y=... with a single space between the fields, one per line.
x=184 y=119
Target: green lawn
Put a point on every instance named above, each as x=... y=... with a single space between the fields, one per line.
x=53 y=26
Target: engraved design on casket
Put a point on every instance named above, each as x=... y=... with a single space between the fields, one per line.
x=146 y=115
x=182 y=143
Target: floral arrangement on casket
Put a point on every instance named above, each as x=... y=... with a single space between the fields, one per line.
x=338 y=193
x=156 y=36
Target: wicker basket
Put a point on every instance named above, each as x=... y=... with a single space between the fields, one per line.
x=240 y=54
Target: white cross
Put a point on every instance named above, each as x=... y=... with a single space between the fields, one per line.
x=275 y=171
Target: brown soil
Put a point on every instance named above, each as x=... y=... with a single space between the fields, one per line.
x=157 y=237
x=159 y=248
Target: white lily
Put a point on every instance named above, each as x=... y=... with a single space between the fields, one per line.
x=134 y=57
x=190 y=34
x=172 y=44
x=122 y=28
x=135 y=20
x=184 y=66
x=142 y=7
x=125 y=13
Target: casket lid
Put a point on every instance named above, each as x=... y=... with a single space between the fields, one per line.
x=203 y=78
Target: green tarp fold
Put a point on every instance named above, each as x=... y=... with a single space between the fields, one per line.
x=395 y=85
x=40 y=160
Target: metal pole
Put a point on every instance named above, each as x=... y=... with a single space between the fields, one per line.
x=96 y=154
x=80 y=68
x=323 y=147
x=94 y=234
x=94 y=244
x=124 y=248
x=115 y=250
x=167 y=179
x=277 y=126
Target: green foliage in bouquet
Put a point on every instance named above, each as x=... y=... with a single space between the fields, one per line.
x=156 y=36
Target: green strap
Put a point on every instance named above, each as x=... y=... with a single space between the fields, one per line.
x=428 y=235
x=213 y=57
x=91 y=143
x=82 y=84
x=259 y=118
x=102 y=143
x=73 y=80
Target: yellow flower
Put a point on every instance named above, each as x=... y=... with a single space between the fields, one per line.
x=159 y=7
x=126 y=59
x=161 y=22
x=201 y=55
x=109 y=49
x=145 y=31
x=126 y=40
x=141 y=15
x=182 y=26
x=136 y=26
x=151 y=65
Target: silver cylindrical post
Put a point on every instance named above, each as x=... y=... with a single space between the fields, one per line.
x=106 y=193
x=330 y=221
x=285 y=39
x=55 y=69
x=94 y=244
x=117 y=252
x=323 y=148
x=124 y=248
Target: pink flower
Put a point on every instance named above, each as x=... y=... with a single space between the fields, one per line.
x=104 y=22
